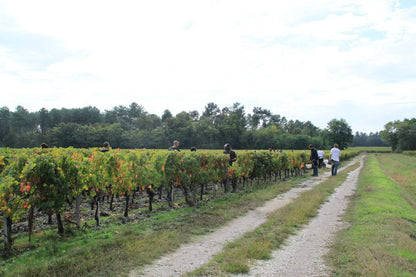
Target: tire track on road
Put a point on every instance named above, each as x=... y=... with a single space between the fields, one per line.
x=303 y=254
x=202 y=249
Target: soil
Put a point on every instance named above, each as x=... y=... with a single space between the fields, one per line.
x=301 y=256
x=138 y=210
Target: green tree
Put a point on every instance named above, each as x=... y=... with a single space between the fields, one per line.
x=208 y=127
x=212 y=111
x=339 y=132
x=166 y=115
x=401 y=135
x=4 y=126
x=265 y=138
x=232 y=125
x=260 y=117
x=183 y=128
x=371 y=139
x=294 y=127
x=207 y=134
x=309 y=129
x=135 y=110
x=147 y=122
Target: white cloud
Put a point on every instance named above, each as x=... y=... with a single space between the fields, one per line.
x=284 y=56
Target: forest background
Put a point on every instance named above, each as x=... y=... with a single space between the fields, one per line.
x=132 y=127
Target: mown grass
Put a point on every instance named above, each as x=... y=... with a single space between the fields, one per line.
x=401 y=169
x=121 y=247
x=381 y=238
x=281 y=223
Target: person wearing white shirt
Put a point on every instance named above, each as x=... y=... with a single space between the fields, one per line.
x=320 y=157
x=334 y=157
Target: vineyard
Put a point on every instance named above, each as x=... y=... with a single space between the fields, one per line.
x=47 y=182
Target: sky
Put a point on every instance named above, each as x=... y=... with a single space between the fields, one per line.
x=310 y=60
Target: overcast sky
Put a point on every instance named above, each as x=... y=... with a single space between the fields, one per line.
x=307 y=60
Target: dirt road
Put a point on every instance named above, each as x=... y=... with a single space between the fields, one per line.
x=303 y=253
x=311 y=241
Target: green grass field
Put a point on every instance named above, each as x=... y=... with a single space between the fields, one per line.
x=381 y=239
x=380 y=149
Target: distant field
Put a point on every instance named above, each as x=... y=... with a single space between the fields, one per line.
x=379 y=149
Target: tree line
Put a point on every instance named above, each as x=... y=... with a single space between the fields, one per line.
x=371 y=139
x=132 y=127
x=401 y=135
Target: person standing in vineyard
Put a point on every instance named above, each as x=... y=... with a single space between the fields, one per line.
x=334 y=157
x=233 y=158
x=175 y=146
x=229 y=151
x=321 y=155
x=170 y=195
x=314 y=159
x=106 y=146
x=44 y=145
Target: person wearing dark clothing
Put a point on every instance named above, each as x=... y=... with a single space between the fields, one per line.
x=44 y=145
x=106 y=146
x=175 y=146
x=314 y=159
x=233 y=158
x=229 y=151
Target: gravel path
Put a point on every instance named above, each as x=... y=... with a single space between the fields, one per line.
x=202 y=249
x=303 y=253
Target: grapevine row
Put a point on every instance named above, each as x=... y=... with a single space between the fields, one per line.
x=51 y=179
